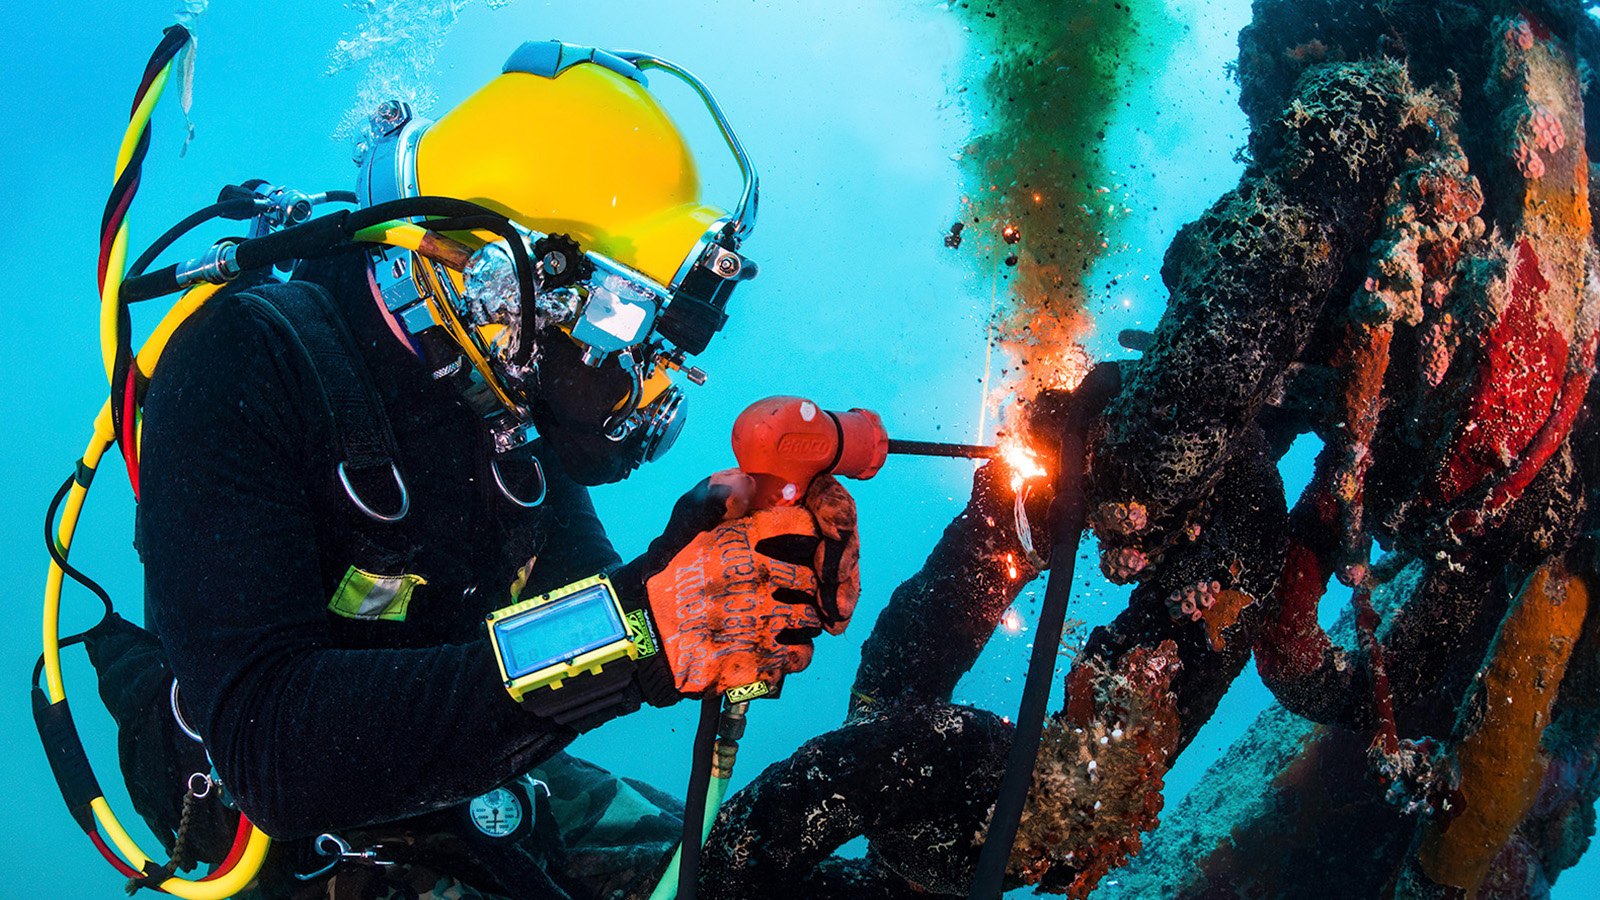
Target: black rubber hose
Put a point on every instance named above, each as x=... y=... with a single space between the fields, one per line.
x=316 y=236
x=67 y=569
x=237 y=209
x=306 y=239
x=150 y=285
x=227 y=209
x=55 y=551
x=694 y=804
x=173 y=37
x=1068 y=512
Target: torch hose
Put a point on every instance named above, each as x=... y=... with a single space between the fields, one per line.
x=1068 y=513
x=694 y=804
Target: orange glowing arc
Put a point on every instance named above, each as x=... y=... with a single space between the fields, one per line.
x=1021 y=460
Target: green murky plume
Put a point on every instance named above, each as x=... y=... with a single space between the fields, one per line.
x=1042 y=200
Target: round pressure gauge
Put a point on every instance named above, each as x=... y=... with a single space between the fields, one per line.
x=497 y=813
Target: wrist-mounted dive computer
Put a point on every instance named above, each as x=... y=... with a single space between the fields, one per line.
x=569 y=654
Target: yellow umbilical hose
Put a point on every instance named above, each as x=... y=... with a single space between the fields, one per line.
x=103 y=436
x=249 y=863
x=112 y=282
x=411 y=237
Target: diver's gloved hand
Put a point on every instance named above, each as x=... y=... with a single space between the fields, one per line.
x=741 y=602
x=718 y=498
x=836 y=558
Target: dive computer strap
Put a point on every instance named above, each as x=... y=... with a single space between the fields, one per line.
x=590 y=699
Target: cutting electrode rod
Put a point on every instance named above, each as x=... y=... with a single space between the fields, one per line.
x=933 y=448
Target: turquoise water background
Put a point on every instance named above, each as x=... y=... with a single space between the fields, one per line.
x=851 y=114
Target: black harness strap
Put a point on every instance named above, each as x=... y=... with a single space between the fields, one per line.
x=365 y=441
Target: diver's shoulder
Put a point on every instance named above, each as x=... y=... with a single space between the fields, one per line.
x=236 y=324
x=235 y=340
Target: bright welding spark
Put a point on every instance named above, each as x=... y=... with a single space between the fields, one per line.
x=1011 y=621
x=1021 y=460
x=1011 y=566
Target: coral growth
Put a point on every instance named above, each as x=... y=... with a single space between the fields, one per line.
x=1434 y=326
x=1281 y=238
x=1406 y=269
x=1122 y=518
x=1193 y=600
x=1123 y=564
x=1097 y=784
x=1223 y=614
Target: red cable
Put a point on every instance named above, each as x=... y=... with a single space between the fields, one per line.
x=110 y=235
x=241 y=839
x=130 y=429
x=115 y=860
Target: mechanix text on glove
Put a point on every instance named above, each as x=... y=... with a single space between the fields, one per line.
x=729 y=614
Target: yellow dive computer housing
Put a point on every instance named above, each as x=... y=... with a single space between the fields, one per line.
x=570 y=653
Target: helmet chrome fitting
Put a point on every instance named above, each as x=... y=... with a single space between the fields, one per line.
x=627 y=262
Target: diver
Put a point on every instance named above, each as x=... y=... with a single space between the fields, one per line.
x=344 y=476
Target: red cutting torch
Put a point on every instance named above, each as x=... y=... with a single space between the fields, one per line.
x=784 y=442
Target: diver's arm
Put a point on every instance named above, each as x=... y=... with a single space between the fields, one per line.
x=308 y=737
x=575 y=544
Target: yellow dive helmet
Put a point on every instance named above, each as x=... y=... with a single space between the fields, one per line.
x=627 y=256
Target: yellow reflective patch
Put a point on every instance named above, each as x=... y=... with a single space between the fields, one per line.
x=363 y=595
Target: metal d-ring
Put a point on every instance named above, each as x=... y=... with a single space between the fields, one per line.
x=350 y=491
x=177 y=716
x=494 y=466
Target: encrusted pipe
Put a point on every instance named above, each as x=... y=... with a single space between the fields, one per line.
x=1500 y=725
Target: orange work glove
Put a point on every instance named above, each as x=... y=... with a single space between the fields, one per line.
x=742 y=601
x=837 y=558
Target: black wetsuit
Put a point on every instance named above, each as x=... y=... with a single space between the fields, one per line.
x=315 y=720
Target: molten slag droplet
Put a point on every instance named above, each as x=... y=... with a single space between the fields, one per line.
x=1011 y=621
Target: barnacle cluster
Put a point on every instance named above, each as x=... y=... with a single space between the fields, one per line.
x=1097 y=784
